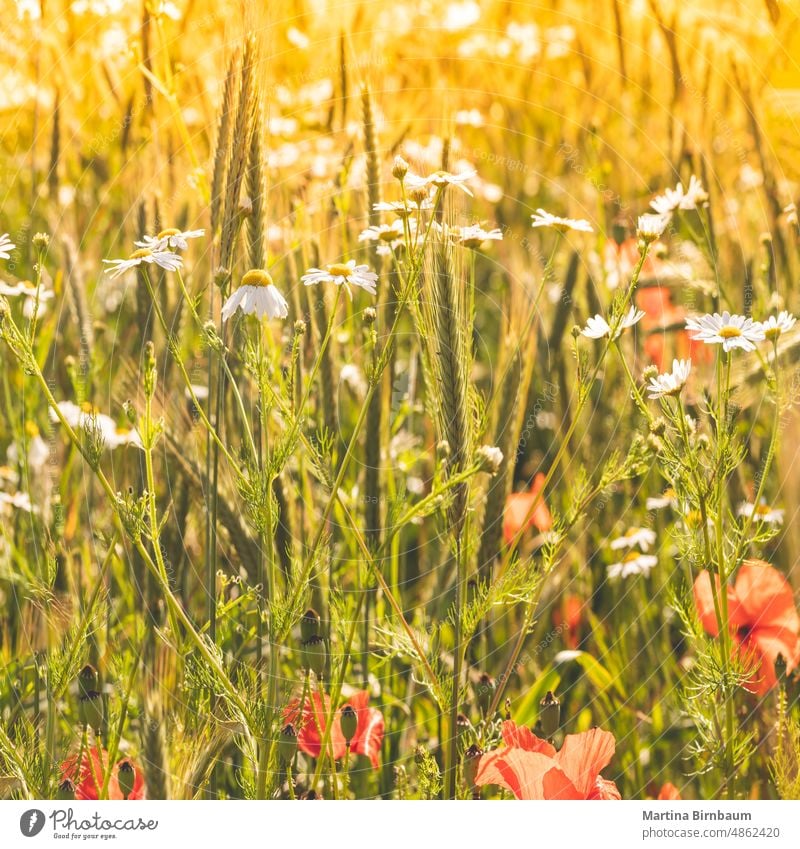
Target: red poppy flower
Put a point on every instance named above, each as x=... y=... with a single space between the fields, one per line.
x=531 y=768
x=661 y=316
x=88 y=780
x=762 y=616
x=311 y=727
x=669 y=792
x=568 y=618
x=519 y=504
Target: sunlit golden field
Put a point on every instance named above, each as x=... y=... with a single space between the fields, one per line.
x=399 y=400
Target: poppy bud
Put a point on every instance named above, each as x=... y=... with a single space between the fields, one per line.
x=472 y=760
x=90 y=710
x=483 y=694
x=508 y=708
x=287 y=744
x=66 y=791
x=309 y=625
x=314 y=655
x=349 y=723
x=780 y=669
x=126 y=776
x=87 y=680
x=463 y=725
x=549 y=715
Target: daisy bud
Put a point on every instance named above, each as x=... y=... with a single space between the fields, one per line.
x=90 y=710
x=658 y=426
x=703 y=442
x=349 y=723
x=41 y=241
x=66 y=791
x=126 y=776
x=309 y=625
x=576 y=331
x=287 y=744
x=222 y=276
x=649 y=372
x=299 y=327
x=489 y=458
x=472 y=760
x=399 y=168
x=443 y=449
x=314 y=655
x=765 y=239
x=483 y=693
x=130 y=412
x=369 y=315
x=549 y=715
x=654 y=443
x=418 y=195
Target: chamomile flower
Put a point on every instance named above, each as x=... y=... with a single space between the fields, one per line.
x=761 y=512
x=730 y=331
x=651 y=227
x=388 y=236
x=167 y=260
x=671 y=383
x=643 y=537
x=776 y=325
x=440 y=180
x=598 y=327
x=27 y=290
x=171 y=238
x=257 y=295
x=19 y=501
x=6 y=246
x=542 y=218
x=659 y=502
x=680 y=198
x=633 y=563
x=474 y=236
x=402 y=208
x=89 y=418
x=343 y=273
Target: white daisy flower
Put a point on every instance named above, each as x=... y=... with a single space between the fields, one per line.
x=27 y=290
x=651 y=227
x=670 y=383
x=678 y=198
x=402 y=208
x=347 y=273
x=761 y=513
x=659 y=502
x=542 y=218
x=19 y=501
x=38 y=450
x=440 y=179
x=167 y=260
x=643 y=537
x=258 y=295
x=170 y=238
x=632 y=564
x=730 y=331
x=89 y=418
x=388 y=236
x=6 y=246
x=598 y=327
x=776 y=325
x=474 y=236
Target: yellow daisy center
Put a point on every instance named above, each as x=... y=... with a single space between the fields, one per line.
x=339 y=269
x=31 y=429
x=170 y=231
x=89 y=409
x=257 y=277
x=631 y=556
x=141 y=253
x=763 y=509
x=729 y=332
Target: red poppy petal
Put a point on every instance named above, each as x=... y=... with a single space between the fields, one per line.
x=583 y=755
x=517 y=770
x=669 y=792
x=766 y=597
x=520 y=737
x=606 y=790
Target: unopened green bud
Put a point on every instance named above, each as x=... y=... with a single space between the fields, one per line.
x=299 y=327
x=126 y=776
x=649 y=372
x=287 y=744
x=472 y=760
x=88 y=680
x=309 y=625
x=41 y=242
x=484 y=692
x=658 y=426
x=90 y=710
x=66 y=791
x=149 y=369
x=369 y=315
x=349 y=723
x=399 y=168
x=314 y=655
x=549 y=715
